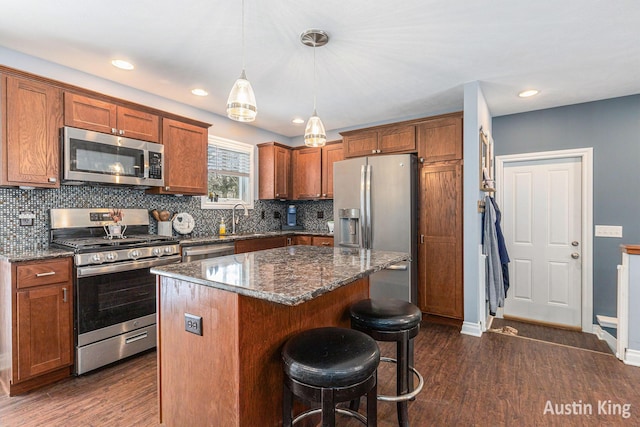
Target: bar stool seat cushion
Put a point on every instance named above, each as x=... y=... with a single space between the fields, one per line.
x=330 y=357
x=385 y=314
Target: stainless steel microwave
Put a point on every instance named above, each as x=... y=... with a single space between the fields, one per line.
x=93 y=157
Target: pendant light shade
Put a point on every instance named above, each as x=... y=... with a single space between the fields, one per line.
x=241 y=105
x=314 y=133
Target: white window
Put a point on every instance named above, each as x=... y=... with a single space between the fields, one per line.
x=230 y=174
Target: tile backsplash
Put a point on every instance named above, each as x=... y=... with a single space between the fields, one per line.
x=16 y=237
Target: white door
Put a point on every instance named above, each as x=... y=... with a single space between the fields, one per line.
x=541 y=207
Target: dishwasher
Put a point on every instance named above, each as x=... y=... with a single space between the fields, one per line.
x=193 y=253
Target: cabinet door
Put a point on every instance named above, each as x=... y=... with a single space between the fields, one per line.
x=138 y=124
x=440 y=139
x=360 y=144
x=282 y=173
x=306 y=176
x=89 y=113
x=34 y=117
x=397 y=140
x=440 y=249
x=44 y=329
x=330 y=154
x=185 y=158
x=302 y=240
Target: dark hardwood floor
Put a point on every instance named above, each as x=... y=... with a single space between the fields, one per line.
x=494 y=380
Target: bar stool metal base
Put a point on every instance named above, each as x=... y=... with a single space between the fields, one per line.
x=406 y=396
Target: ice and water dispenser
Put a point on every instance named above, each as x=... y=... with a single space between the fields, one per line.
x=349 y=227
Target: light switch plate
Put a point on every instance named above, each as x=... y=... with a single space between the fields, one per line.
x=608 y=231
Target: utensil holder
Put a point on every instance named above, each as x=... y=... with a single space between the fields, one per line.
x=164 y=228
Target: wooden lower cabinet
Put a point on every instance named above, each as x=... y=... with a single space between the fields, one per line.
x=38 y=323
x=259 y=244
x=440 y=283
x=322 y=241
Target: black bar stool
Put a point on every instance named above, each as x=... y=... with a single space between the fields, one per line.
x=386 y=319
x=328 y=366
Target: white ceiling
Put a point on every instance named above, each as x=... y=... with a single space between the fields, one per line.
x=385 y=60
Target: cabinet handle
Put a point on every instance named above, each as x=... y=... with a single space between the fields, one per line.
x=325 y=243
x=422 y=239
x=64 y=294
x=277 y=194
x=288 y=241
x=324 y=195
x=379 y=151
x=52 y=179
x=114 y=130
x=317 y=195
x=374 y=151
x=121 y=132
x=48 y=273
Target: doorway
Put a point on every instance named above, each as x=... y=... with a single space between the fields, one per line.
x=546 y=202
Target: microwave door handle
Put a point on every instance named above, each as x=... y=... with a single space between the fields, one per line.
x=145 y=162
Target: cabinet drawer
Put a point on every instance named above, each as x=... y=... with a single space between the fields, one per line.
x=43 y=273
x=322 y=241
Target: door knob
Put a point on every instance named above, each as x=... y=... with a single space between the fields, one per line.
x=575 y=243
x=575 y=255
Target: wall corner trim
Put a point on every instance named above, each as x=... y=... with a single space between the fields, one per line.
x=473 y=329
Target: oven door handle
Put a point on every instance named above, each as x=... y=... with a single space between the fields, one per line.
x=98 y=270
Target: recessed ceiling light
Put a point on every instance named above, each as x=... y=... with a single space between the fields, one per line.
x=199 y=92
x=297 y=121
x=528 y=93
x=122 y=64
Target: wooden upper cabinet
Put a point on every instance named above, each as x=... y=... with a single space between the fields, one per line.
x=383 y=140
x=331 y=153
x=31 y=119
x=312 y=171
x=440 y=139
x=360 y=144
x=307 y=173
x=274 y=175
x=101 y=116
x=185 y=159
x=397 y=140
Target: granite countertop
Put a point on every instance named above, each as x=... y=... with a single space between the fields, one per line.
x=214 y=238
x=18 y=255
x=288 y=276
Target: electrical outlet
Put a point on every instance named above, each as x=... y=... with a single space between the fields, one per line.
x=26 y=217
x=276 y=215
x=193 y=324
x=608 y=231
x=320 y=214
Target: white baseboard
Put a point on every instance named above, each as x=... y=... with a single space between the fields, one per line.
x=632 y=357
x=607 y=337
x=473 y=329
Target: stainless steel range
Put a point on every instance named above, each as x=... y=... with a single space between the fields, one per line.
x=115 y=295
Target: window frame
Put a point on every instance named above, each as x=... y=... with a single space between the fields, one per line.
x=229 y=144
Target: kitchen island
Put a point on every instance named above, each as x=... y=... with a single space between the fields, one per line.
x=229 y=373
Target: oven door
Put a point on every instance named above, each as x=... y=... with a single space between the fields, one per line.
x=113 y=299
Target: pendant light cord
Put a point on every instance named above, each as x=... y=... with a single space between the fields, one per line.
x=314 y=77
x=243 y=35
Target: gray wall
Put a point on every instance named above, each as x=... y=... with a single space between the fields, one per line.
x=612 y=128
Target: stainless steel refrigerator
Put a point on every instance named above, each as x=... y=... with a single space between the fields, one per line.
x=374 y=206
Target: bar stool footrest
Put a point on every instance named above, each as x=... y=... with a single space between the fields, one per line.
x=405 y=396
x=343 y=411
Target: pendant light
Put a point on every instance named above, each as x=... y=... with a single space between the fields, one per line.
x=241 y=105
x=314 y=133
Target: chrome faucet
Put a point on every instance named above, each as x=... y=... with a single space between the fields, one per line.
x=235 y=220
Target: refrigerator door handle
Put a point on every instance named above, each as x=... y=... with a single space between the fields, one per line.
x=363 y=218
x=368 y=213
